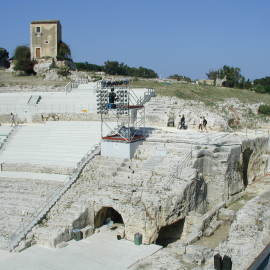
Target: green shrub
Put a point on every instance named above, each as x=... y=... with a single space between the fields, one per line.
x=88 y=67
x=63 y=71
x=259 y=88
x=63 y=51
x=4 y=55
x=96 y=78
x=264 y=109
x=23 y=62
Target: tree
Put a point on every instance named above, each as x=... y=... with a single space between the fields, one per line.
x=179 y=77
x=4 y=56
x=262 y=85
x=116 y=68
x=23 y=62
x=88 y=67
x=145 y=73
x=232 y=75
x=63 y=51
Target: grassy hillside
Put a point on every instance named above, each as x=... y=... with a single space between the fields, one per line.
x=7 y=79
x=204 y=93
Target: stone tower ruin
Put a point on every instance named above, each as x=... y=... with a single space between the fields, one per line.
x=44 y=38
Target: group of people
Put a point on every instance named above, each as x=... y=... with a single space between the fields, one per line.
x=202 y=123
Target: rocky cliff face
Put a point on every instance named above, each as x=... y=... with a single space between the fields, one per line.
x=220 y=115
x=229 y=166
x=167 y=180
x=150 y=192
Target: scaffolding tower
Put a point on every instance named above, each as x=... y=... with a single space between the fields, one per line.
x=125 y=117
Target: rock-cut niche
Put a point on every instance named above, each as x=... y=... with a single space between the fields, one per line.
x=246 y=158
x=106 y=214
x=170 y=233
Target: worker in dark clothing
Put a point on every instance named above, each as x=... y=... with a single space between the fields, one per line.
x=182 y=122
x=112 y=99
x=204 y=123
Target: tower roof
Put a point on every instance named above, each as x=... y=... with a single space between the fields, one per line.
x=46 y=21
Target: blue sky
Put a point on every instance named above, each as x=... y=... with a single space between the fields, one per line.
x=173 y=36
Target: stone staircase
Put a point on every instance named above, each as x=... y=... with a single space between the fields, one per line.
x=68 y=212
x=41 y=154
x=98 y=177
x=19 y=199
x=51 y=147
x=5 y=134
x=100 y=173
x=54 y=197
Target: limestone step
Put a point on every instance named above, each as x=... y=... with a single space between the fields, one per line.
x=33 y=176
x=38 y=167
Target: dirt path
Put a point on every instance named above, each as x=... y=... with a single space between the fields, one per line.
x=259 y=186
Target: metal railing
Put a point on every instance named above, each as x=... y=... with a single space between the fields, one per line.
x=3 y=145
x=68 y=87
x=147 y=96
x=26 y=227
x=262 y=262
x=81 y=80
x=75 y=84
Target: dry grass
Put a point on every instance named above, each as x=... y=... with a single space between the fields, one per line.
x=204 y=93
x=8 y=79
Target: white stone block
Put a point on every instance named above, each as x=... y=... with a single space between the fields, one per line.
x=87 y=231
x=119 y=149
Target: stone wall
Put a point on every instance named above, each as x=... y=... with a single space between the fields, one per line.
x=228 y=169
x=249 y=233
x=148 y=197
x=28 y=167
x=36 y=118
x=47 y=39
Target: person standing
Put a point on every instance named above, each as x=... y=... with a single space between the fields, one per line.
x=204 y=124
x=112 y=99
x=182 y=122
x=12 y=119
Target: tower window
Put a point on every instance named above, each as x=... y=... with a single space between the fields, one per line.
x=46 y=42
x=38 y=29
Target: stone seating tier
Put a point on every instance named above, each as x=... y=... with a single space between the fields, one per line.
x=60 y=144
x=19 y=199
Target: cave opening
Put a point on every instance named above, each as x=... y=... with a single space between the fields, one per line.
x=170 y=233
x=105 y=215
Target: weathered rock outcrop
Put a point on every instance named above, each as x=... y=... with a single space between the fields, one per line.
x=219 y=115
x=249 y=233
x=231 y=164
x=149 y=198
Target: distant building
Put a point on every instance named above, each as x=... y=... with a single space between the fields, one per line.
x=219 y=82
x=44 y=38
x=206 y=82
